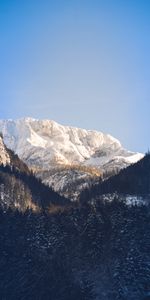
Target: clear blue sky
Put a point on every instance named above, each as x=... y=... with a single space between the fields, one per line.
x=84 y=63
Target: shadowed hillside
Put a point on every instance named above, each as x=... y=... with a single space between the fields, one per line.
x=133 y=180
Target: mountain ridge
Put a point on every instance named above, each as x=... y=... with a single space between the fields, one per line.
x=132 y=182
x=45 y=145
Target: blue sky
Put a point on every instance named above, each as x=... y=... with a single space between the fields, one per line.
x=84 y=63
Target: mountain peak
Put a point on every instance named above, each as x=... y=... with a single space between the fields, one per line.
x=27 y=119
x=45 y=141
x=45 y=145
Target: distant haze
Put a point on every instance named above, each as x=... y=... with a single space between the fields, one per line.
x=81 y=63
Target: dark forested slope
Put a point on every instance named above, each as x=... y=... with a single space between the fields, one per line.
x=99 y=251
x=22 y=190
x=133 y=180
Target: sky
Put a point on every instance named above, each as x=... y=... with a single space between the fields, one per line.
x=84 y=63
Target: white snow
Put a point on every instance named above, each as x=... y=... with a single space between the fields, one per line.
x=135 y=157
x=36 y=141
x=43 y=142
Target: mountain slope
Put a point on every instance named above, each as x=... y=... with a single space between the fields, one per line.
x=20 y=189
x=45 y=145
x=133 y=180
x=96 y=252
x=8 y=157
x=4 y=155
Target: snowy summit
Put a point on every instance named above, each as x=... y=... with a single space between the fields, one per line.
x=45 y=145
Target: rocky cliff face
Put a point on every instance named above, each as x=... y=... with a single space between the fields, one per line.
x=4 y=155
x=53 y=151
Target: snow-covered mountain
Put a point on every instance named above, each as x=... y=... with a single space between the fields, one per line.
x=54 y=151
